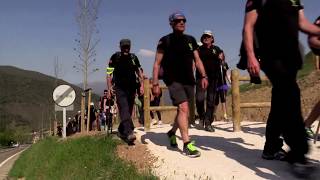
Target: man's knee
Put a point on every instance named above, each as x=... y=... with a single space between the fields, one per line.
x=183 y=107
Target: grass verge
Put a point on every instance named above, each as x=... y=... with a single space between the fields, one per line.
x=81 y=158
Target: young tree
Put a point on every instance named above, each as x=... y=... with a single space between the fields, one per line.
x=86 y=18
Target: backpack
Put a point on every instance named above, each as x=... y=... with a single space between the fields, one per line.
x=167 y=43
x=136 y=73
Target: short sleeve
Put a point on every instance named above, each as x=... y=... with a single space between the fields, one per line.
x=162 y=44
x=195 y=45
x=112 y=61
x=253 y=5
x=317 y=21
x=137 y=62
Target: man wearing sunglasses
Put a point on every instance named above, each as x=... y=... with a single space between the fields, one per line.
x=211 y=56
x=177 y=54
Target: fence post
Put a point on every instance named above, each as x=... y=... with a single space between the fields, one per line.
x=83 y=95
x=235 y=100
x=146 y=104
x=317 y=61
x=88 y=114
x=55 y=126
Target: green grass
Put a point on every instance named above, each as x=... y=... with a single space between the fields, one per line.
x=82 y=158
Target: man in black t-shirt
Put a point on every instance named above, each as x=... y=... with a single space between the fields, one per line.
x=124 y=70
x=176 y=53
x=210 y=55
x=277 y=24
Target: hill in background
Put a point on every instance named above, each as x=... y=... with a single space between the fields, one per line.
x=26 y=99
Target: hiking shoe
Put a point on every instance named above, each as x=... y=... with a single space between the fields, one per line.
x=131 y=137
x=303 y=169
x=281 y=155
x=190 y=150
x=173 y=140
x=128 y=139
x=209 y=128
x=310 y=133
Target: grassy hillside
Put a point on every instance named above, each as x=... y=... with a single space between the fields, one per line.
x=26 y=99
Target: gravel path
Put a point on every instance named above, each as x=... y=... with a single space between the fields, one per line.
x=225 y=155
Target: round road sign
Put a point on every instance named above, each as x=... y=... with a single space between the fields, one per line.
x=64 y=95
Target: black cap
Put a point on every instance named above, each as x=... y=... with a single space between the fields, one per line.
x=125 y=42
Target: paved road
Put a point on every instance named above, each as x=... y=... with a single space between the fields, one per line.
x=7 y=158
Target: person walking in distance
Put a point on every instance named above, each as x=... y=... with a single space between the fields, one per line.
x=176 y=54
x=124 y=70
x=155 y=101
x=222 y=86
x=276 y=24
x=210 y=55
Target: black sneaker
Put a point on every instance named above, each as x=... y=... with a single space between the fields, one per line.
x=128 y=139
x=209 y=128
x=172 y=139
x=281 y=155
x=190 y=150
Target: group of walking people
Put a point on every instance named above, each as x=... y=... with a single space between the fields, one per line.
x=275 y=25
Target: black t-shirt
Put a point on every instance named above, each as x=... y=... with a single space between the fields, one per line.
x=178 y=58
x=125 y=67
x=210 y=60
x=277 y=30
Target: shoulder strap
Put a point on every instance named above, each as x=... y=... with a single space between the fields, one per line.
x=133 y=58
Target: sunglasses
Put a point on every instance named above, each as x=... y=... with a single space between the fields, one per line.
x=179 y=20
x=206 y=36
x=125 y=46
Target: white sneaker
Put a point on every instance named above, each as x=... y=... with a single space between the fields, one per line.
x=159 y=123
x=154 y=122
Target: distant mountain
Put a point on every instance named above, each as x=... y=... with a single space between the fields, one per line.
x=26 y=98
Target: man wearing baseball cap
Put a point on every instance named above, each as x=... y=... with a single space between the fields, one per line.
x=212 y=57
x=122 y=71
x=176 y=54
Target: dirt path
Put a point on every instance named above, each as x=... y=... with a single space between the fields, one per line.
x=225 y=154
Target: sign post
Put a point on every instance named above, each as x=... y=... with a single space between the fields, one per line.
x=64 y=96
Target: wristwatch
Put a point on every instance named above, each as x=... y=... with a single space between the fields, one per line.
x=206 y=77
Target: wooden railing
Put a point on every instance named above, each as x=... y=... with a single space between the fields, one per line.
x=236 y=104
x=146 y=104
x=147 y=108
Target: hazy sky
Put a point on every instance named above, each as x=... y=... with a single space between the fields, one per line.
x=34 y=32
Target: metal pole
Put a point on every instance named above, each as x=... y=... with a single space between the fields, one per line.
x=64 y=114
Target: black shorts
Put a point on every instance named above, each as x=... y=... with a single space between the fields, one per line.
x=220 y=97
x=180 y=93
